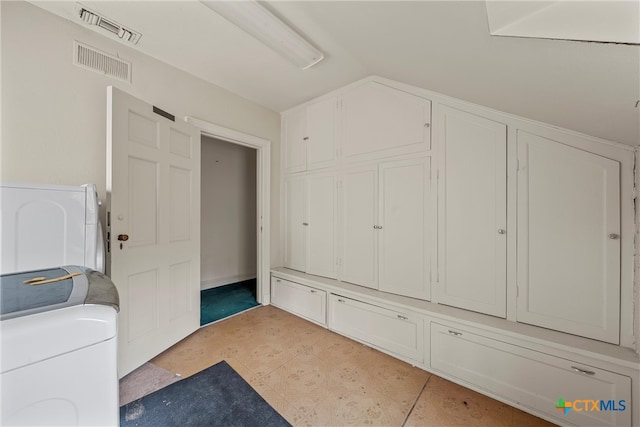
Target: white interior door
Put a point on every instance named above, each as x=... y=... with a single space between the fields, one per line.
x=568 y=239
x=472 y=215
x=153 y=185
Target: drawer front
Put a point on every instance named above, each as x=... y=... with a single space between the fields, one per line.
x=533 y=379
x=298 y=299
x=390 y=330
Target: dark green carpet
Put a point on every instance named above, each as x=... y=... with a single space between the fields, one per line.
x=224 y=301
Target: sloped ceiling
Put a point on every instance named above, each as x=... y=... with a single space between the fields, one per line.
x=444 y=46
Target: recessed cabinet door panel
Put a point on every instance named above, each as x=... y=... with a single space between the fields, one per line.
x=293 y=131
x=472 y=213
x=568 y=239
x=299 y=299
x=321 y=229
x=359 y=204
x=321 y=146
x=403 y=238
x=295 y=201
x=376 y=118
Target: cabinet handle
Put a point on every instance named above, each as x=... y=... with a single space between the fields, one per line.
x=582 y=371
x=305 y=223
x=427 y=125
x=502 y=231
x=306 y=138
x=402 y=317
x=313 y=291
x=454 y=333
x=341 y=300
x=614 y=236
x=278 y=280
x=377 y=227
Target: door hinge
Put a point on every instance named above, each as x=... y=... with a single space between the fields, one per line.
x=108 y=219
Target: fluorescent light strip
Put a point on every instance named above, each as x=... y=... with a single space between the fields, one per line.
x=256 y=20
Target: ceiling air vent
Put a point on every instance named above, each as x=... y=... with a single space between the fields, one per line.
x=91 y=58
x=91 y=17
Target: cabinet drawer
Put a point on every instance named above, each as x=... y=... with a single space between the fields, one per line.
x=390 y=330
x=298 y=299
x=533 y=379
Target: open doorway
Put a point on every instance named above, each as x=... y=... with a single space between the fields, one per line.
x=228 y=229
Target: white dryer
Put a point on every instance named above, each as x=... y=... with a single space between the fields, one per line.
x=49 y=225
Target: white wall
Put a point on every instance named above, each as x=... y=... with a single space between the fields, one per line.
x=228 y=213
x=53 y=113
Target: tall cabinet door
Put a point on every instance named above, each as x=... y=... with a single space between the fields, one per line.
x=295 y=218
x=321 y=225
x=359 y=204
x=403 y=245
x=568 y=239
x=472 y=213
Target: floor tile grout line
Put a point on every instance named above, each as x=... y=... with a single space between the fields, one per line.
x=415 y=402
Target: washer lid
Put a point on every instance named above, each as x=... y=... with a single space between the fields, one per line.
x=18 y=298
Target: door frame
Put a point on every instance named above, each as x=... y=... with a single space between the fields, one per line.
x=263 y=202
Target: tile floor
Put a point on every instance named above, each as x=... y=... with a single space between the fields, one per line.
x=315 y=377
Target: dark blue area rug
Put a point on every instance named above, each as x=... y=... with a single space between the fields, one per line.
x=217 y=396
x=224 y=301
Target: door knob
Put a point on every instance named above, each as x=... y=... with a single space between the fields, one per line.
x=123 y=237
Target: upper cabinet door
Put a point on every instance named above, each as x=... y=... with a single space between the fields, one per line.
x=568 y=239
x=321 y=145
x=403 y=246
x=472 y=213
x=359 y=205
x=378 y=120
x=294 y=134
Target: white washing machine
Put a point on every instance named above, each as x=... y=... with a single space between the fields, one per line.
x=58 y=350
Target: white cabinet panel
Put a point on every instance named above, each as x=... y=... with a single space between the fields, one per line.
x=359 y=204
x=295 y=217
x=472 y=213
x=375 y=118
x=321 y=145
x=405 y=203
x=568 y=239
x=390 y=330
x=322 y=222
x=308 y=136
x=298 y=299
x=531 y=378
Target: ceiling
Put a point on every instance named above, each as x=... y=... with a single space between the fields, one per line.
x=444 y=46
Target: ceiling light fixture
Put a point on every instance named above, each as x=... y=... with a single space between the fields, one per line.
x=256 y=20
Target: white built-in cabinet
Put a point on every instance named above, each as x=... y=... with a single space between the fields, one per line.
x=309 y=136
x=377 y=120
x=568 y=239
x=385 y=211
x=472 y=217
x=305 y=301
x=311 y=221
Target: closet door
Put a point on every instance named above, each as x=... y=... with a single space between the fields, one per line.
x=322 y=221
x=403 y=246
x=295 y=202
x=321 y=145
x=295 y=150
x=568 y=239
x=359 y=204
x=472 y=213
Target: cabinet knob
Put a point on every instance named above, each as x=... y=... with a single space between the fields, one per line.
x=123 y=237
x=614 y=236
x=305 y=223
x=502 y=231
x=427 y=125
x=306 y=138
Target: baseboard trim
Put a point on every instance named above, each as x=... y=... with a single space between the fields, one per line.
x=226 y=280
